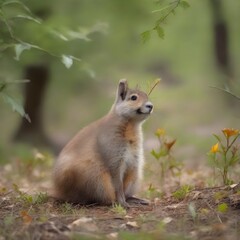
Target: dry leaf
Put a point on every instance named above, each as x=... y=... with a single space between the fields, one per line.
x=196 y=195
x=81 y=220
x=132 y=224
x=113 y=235
x=156 y=200
x=167 y=220
x=83 y=224
x=27 y=219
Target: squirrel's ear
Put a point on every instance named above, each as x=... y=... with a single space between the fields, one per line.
x=122 y=90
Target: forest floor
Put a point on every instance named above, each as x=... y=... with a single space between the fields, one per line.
x=27 y=212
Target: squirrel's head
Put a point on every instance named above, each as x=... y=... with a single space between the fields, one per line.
x=132 y=104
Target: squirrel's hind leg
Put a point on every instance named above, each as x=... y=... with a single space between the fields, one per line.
x=105 y=193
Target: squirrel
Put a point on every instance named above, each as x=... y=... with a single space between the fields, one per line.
x=103 y=163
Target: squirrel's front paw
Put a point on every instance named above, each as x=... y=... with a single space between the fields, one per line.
x=134 y=200
x=121 y=200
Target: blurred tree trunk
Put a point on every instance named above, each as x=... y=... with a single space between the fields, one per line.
x=221 y=41
x=34 y=92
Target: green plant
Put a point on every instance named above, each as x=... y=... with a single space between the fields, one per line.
x=222 y=208
x=163 y=14
x=17 y=19
x=218 y=196
x=10 y=12
x=182 y=192
x=28 y=199
x=117 y=208
x=31 y=162
x=164 y=157
x=224 y=155
x=10 y=100
x=153 y=192
x=67 y=208
x=40 y=198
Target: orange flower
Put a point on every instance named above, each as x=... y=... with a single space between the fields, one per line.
x=169 y=144
x=160 y=132
x=230 y=132
x=215 y=148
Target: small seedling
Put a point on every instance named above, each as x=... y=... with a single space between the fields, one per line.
x=164 y=157
x=119 y=209
x=218 y=196
x=153 y=192
x=222 y=208
x=67 y=208
x=28 y=199
x=40 y=198
x=182 y=192
x=224 y=155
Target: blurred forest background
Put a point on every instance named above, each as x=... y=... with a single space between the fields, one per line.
x=74 y=52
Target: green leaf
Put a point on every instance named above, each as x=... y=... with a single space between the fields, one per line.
x=184 y=4
x=17 y=2
x=67 y=61
x=59 y=35
x=4 y=46
x=159 y=31
x=82 y=35
x=173 y=12
x=28 y=18
x=233 y=160
x=101 y=27
x=90 y=72
x=217 y=137
x=145 y=36
x=17 y=81
x=155 y=154
x=2 y=86
x=15 y=106
x=19 y=48
x=223 y=207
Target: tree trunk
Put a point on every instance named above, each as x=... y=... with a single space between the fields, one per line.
x=221 y=42
x=34 y=92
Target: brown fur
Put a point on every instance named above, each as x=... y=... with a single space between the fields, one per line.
x=103 y=162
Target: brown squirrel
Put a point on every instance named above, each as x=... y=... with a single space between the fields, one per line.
x=103 y=163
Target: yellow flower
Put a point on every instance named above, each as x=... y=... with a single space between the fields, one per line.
x=230 y=132
x=215 y=148
x=160 y=132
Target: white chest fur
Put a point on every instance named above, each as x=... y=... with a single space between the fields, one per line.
x=133 y=158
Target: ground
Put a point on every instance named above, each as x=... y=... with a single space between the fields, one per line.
x=189 y=213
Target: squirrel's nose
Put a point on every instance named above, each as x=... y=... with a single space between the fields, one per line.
x=149 y=106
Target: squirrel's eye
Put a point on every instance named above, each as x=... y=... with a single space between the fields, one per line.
x=133 y=97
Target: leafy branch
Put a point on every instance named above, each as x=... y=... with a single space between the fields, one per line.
x=20 y=46
x=164 y=12
x=9 y=39
x=16 y=107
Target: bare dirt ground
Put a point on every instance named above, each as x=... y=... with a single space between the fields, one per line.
x=198 y=213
